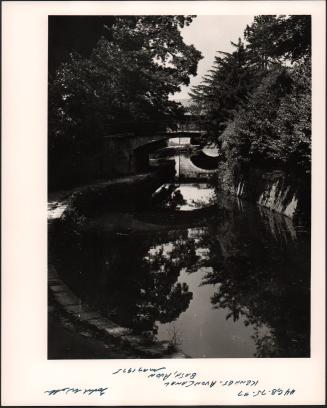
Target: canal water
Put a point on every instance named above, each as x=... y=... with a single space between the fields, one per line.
x=214 y=275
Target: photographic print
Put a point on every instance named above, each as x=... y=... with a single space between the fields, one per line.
x=179 y=186
x=163 y=168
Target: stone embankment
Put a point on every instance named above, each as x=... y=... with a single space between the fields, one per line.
x=275 y=190
x=108 y=331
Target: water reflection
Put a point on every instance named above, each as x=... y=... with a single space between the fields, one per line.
x=181 y=152
x=185 y=196
x=177 y=141
x=262 y=269
x=235 y=283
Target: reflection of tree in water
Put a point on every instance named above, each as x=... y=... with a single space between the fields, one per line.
x=169 y=197
x=115 y=275
x=264 y=280
x=176 y=200
x=260 y=276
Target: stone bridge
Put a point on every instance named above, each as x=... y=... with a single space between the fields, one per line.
x=126 y=154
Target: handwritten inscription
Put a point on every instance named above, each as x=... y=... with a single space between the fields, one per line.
x=247 y=383
x=171 y=378
x=256 y=393
x=191 y=379
x=263 y=392
x=137 y=370
x=242 y=388
x=71 y=390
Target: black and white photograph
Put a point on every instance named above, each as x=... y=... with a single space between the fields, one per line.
x=179 y=186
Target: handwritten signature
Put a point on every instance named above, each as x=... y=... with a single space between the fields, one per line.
x=72 y=390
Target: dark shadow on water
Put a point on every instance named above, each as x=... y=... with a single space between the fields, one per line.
x=203 y=161
x=253 y=267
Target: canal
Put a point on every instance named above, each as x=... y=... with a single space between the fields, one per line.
x=214 y=275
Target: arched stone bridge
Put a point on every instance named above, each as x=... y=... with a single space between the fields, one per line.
x=127 y=154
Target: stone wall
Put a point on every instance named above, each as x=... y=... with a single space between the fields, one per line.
x=273 y=189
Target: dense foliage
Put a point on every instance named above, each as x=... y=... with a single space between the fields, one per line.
x=257 y=99
x=122 y=86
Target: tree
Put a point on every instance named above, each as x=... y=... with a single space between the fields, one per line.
x=123 y=85
x=275 y=38
x=253 y=135
x=79 y=34
x=225 y=88
x=262 y=37
x=258 y=99
x=274 y=129
x=293 y=121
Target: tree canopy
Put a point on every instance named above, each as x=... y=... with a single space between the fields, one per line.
x=257 y=99
x=123 y=84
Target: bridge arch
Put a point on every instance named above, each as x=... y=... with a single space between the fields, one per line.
x=125 y=153
x=204 y=161
x=142 y=152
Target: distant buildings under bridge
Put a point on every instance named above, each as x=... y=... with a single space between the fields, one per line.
x=193 y=118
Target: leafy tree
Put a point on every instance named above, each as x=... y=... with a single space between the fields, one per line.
x=275 y=38
x=75 y=34
x=225 y=88
x=274 y=130
x=293 y=121
x=252 y=135
x=122 y=86
x=257 y=99
x=262 y=37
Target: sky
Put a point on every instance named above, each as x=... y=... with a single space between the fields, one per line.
x=210 y=34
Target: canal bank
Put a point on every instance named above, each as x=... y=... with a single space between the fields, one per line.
x=95 y=336
x=73 y=321
x=277 y=190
